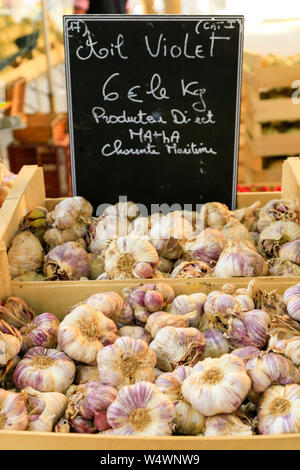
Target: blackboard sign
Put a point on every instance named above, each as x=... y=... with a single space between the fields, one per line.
x=154 y=107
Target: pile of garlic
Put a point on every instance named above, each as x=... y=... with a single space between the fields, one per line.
x=152 y=363
x=70 y=244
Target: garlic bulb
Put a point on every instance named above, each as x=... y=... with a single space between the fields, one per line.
x=36 y=221
x=141 y=410
x=135 y=332
x=290 y=348
x=277 y=234
x=84 y=332
x=54 y=237
x=90 y=402
x=214 y=215
x=96 y=263
x=25 y=254
x=271 y=369
x=216 y=343
x=219 y=302
x=183 y=304
x=177 y=346
x=130 y=257
x=141 y=226
x=187 y=419
x=159 y=320
x=248 y=329
x=165 y=265
x=10 y=342
x=72 y=213
x=217 y=385
x=13 y=413
x=206 y=247
x=248 y=216
x=291 y=298
x=279 y=410
x=126 y=362
x=189 y=269
x=67 y=262
x=169 y=233
x=41 y=332
x=46 y=370
x=111 y=305
x=63 y=425
x=275 y=210
x=281 y=267
x=107 y=229
x=240 y=259
x=149 y=298
x=44 y=409
x=85 y=373
x=128 y=210
x=291 y=252
x=16 y=312
x=226 y=425
x=235 y=231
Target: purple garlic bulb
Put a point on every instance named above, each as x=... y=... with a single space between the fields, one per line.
x=67 y=262
x=41 y=332
x=216 y=343
x=248 y=329
x=149 y=298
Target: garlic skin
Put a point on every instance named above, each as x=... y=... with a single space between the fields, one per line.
x=277 y=234
x=165 y=265
x=126 y=362
x=248 y=329
x=159 y=320
x=149 y=298
x=189 y=269
x=206 y=247
x=72 y=213
x=111 y=305
x=271 y=369
x=216 y=343
x=183 y=304
x=177 y=346
x=13 y=413
x=141 y=410
x=140 y=226
x=41 y=332
x=44 y=409
x=10 y=342
x=30 y=276
x=291 y=298
x=16 y=312
x=25 y=254
x=214 y=215
x=291 y=252
x=63 y=425
x=270 y=302
x=247 y=352
x=45 y=370
x=54 y=237
x=248 y=216
x=187 y=419
x=135 y=332
x=169 y=233
x=90 y=402
x=84 y=332
x=240 y=259
x=275 y=210
x=130 y=257
x=217 y=385
x=279 y=410
x=67 y=262
x=226 y=425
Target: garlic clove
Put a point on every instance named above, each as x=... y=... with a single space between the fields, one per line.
x=159 y=320
x=216 y=343
x=136 y=332
x=13 y=413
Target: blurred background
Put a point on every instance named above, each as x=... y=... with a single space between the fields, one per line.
x=33 y=107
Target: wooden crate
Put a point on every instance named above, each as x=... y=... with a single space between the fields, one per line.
x=258 y=111
x=29 y=192
x=53 y=300
x=41 y=128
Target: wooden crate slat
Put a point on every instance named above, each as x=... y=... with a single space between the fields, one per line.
x=291 y=178
x=279 y=109
x=276 y=144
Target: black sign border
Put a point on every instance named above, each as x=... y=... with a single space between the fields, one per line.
x=145 y=18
